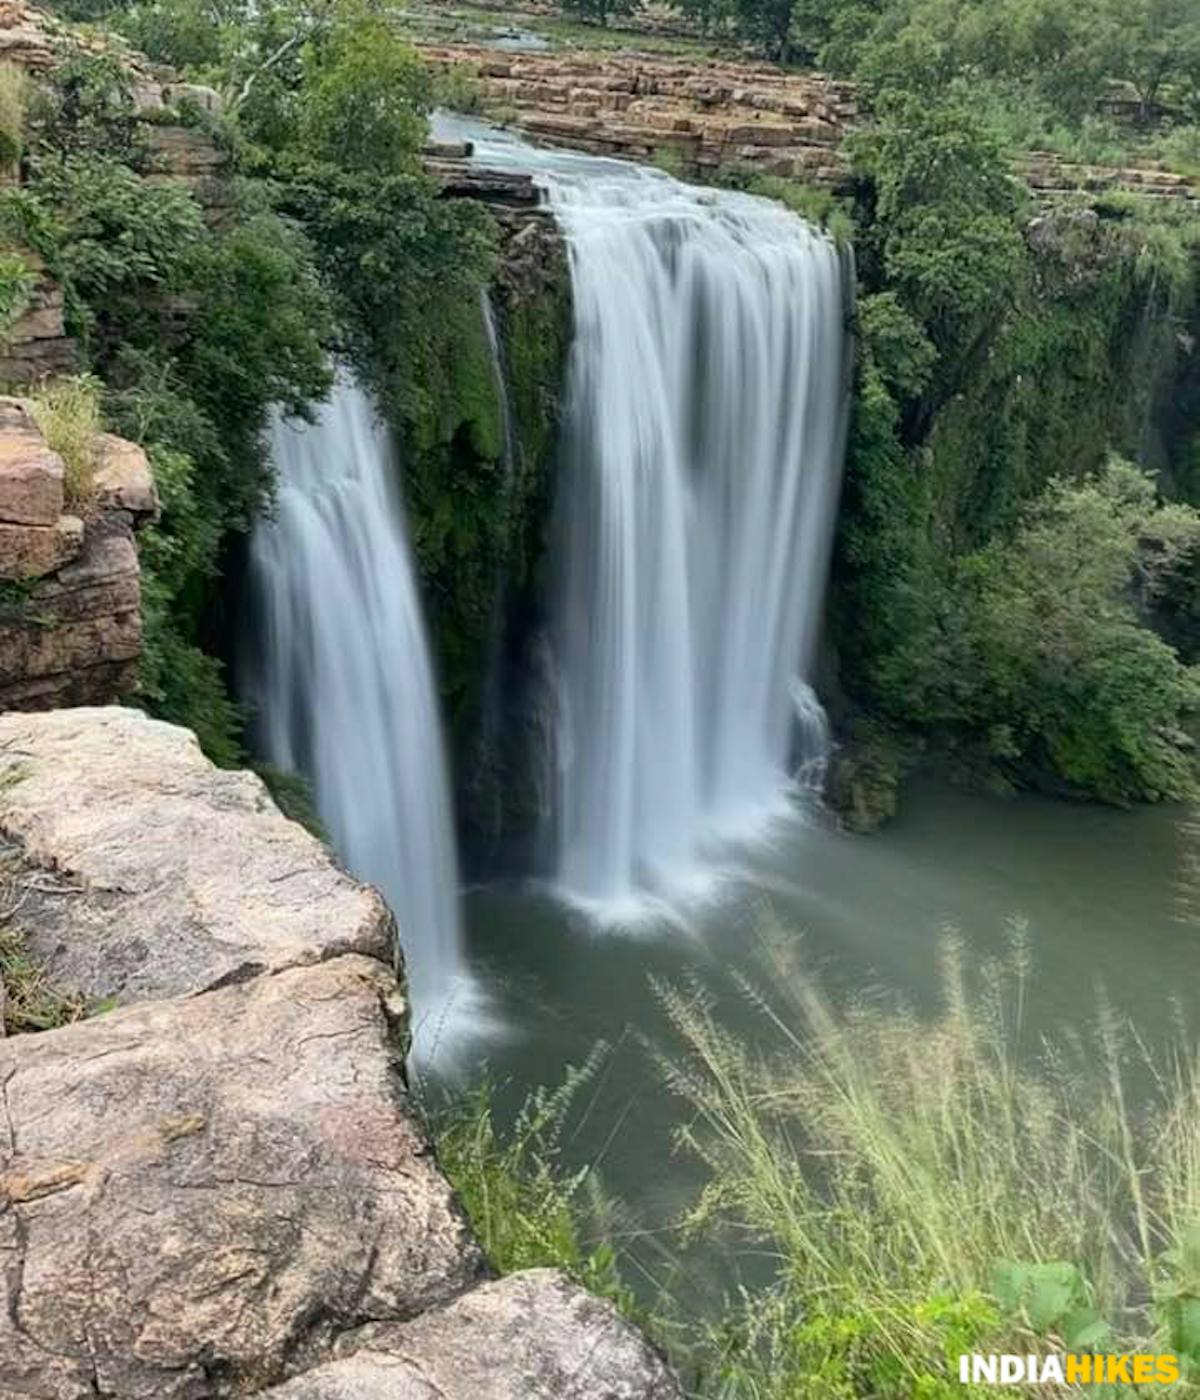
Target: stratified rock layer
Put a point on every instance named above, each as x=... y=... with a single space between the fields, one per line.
x=533 y=1336
x=70 y=588
x=197 y=1195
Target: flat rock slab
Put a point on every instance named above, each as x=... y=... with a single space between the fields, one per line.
x=198 y=1196
x=166 y=875
x=531 y=1336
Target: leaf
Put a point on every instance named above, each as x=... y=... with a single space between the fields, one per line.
x=1083 y=1329
x=1053 y=1289
x=1008 y=1283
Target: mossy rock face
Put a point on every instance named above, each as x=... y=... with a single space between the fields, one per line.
x=479 y=472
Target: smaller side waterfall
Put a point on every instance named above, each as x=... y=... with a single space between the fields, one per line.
x=338 y=670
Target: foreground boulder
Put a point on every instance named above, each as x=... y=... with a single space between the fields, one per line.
x=532 y=1336
x=170 y=875
x=222 y=1188
x=198 y=1195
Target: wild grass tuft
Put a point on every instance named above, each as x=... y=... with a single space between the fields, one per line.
x=528 y=1209
x=925 y=1192
x=28 y=999
x=68 y=413
x=14 y=96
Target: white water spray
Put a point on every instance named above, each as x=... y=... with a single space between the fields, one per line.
x=339 y=672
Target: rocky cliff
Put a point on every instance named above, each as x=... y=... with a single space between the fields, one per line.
x=70 y=620
x=218 y=1187
x=709 y=113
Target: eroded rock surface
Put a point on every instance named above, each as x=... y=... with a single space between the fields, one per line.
x=198 y=1195
x=180 y=876
x=222 y=1191
x=532 y=1336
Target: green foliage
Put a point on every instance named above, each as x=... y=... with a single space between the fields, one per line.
x=364 y=96
x=527 y=1209
x=944 y=229
x=17 y=281
x=600 y=11
x=1037 y=644
x=179 y=32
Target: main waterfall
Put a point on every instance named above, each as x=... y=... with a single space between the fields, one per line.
x=702 y=463
x=339 y=674
x=702 y=455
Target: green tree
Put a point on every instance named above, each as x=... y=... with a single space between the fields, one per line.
x=945 y=226
x=1151 y=44
x=1040 y=643
x=365 y=96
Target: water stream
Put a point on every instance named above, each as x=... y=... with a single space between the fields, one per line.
x=338 y=672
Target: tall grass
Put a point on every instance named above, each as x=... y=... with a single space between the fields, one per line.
x=925 y=1190
x=14 y=96
x=527 y=1208
x=69 y=415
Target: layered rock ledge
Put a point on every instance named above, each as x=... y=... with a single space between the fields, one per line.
x=70 y=586
x=218 y=1187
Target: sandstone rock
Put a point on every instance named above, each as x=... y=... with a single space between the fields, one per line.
x=123 y=480
x=532 y=1336
x=31 y=476
x=184 y=876
x=37 y=345
x=77 y=635
x=198 y=1195
x=207 y=99
x=31 y=551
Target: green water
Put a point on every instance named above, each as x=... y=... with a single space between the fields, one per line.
x=1102 y=892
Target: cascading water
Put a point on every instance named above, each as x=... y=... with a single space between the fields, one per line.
x=338 y=671
x=702 y=457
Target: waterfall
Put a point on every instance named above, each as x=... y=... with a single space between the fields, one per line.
x=339 y=674
x=701 y=465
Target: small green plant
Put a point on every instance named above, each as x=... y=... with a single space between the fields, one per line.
x=29 y=1000
x=457 y=88
x=68 y=413
x=527 y=1208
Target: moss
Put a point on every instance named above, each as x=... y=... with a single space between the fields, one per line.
x=478 y=519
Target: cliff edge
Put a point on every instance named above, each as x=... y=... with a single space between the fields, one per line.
x=215 y=1185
